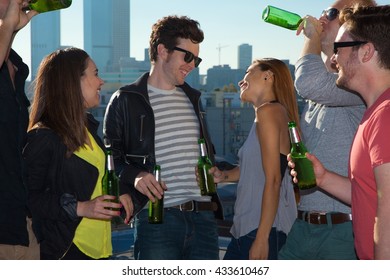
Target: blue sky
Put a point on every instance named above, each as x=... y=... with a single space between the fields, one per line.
x=226 y=23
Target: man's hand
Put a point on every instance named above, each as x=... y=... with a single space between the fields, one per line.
x=310 y=26
x=15 y=17
x=147 y=184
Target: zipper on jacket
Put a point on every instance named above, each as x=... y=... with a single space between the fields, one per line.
x=66 y=251
x=138 y=156
x=141 y=131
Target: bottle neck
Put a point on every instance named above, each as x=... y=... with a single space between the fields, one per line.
x=203 y=151
x=110 y=163
x=294 y=135
x=157 y=174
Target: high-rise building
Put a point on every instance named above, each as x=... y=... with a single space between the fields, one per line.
x=244 y=56
x=41 y=44
x=222 y=76
x=107 y=32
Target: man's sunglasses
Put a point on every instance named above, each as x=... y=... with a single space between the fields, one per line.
x=330 y=13
x=189 y=56
x=337 y=45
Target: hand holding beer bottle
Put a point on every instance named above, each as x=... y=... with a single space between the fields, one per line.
x=110 y=181
x=205 y=179
x=303 y=166
x=156 y=209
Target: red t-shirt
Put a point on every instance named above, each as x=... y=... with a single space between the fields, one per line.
x=370 y=149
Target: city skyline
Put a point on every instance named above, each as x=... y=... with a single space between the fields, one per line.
x=226 y=24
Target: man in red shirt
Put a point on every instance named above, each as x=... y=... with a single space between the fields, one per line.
x=361 y=55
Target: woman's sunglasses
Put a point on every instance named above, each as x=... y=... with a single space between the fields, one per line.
x=330 y=13
x=189 y=56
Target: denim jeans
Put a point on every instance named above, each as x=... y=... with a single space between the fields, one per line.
x=238 y=249
x=182 y=236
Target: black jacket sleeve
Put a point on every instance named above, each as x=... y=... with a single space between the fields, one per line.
x=43 y=154
x=114 y=129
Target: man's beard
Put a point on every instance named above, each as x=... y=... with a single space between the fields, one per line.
x=348 y=72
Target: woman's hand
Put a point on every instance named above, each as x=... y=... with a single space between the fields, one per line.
x=98 y=208
x=259 y=249
x=219 y=176
x=128 y=206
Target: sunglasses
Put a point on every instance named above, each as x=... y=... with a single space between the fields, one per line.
x=189 y=56
x=337 y=45
x=330 y=13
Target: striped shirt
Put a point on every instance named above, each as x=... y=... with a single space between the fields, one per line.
x=176 y=144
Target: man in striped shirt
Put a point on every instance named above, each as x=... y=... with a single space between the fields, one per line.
x=157 y=121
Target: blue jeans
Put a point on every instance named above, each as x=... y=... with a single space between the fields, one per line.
x=182 y=236
x=238 y=249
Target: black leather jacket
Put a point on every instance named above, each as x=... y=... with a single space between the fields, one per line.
x=56 y=183
x=129 y=125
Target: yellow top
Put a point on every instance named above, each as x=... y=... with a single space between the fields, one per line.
x=93 y=237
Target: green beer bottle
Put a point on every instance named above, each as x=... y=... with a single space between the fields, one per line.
x=281 y=18
x=156 y=209
x=303 y=166
x=110 y=181
x=206 y=180
x=42 y=6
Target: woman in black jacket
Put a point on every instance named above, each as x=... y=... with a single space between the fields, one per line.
x=66 y=161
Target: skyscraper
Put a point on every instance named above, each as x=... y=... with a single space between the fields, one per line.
x=41 y=43
x=107 y=32
x=244 y=56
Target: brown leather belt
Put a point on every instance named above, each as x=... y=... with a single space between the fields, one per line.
x=317 y=218
x=196 y=206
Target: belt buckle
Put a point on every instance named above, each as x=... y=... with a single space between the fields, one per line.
x=309 y=214
x=190 y=210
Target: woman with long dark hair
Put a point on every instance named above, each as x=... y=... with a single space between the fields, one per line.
x=66 y=161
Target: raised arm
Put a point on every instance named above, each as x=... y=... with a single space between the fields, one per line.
x=315 y=76
x=13 y=20
x=315 y=83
